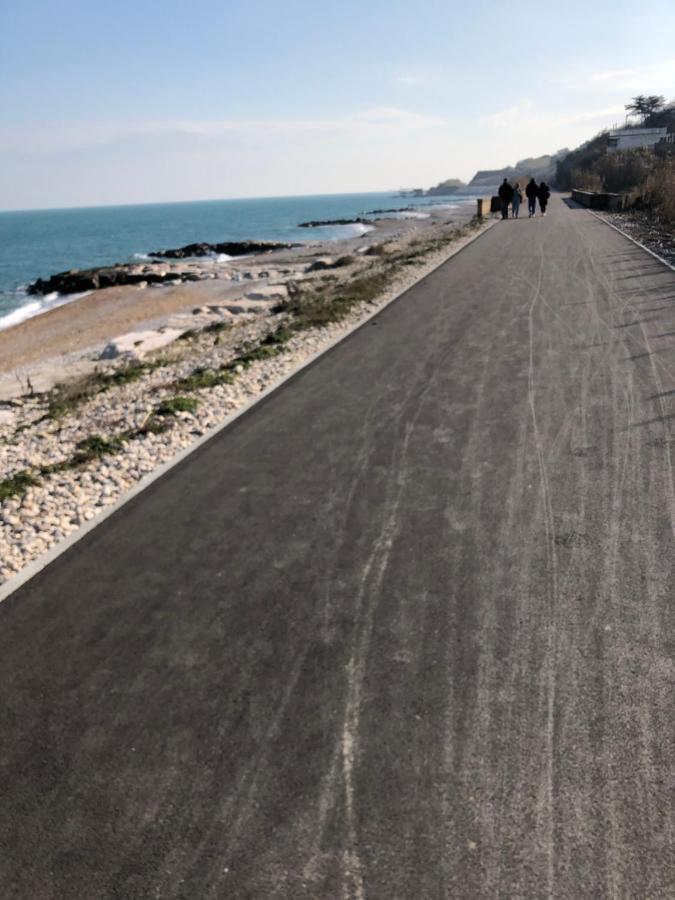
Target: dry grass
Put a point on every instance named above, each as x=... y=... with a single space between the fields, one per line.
x=311 y=308
x=66 y=398
x=659 y=190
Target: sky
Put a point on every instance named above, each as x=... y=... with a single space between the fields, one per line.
x=136 y=102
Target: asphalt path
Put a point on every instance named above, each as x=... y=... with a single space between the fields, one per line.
x=404 y=630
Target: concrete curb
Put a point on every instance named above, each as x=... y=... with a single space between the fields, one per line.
x=632 y=240
x=37 y=565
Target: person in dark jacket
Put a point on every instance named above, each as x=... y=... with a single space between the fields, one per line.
x=543 y=193
x=531 y=193
x=506 y=196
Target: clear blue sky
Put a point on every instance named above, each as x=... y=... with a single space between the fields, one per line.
x=135 y=102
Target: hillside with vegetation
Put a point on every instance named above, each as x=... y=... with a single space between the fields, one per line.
x=647 y=175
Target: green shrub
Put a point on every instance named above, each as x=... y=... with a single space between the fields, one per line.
x=95 y=446
x=17 y=484
x=217 y=327
x=177 y=404
x=203 y=378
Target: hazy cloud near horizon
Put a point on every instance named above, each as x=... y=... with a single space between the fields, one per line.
x=259 y=101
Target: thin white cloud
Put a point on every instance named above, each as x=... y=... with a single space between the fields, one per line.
x=611 y=74
x=593 y=115
x=657 y=76
x=509 y=116
x=409 y=80
x=371 y=123
x=416 y=76
x=401 y=118
x=528 y=116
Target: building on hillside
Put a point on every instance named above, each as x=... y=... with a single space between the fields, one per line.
x=634 y=138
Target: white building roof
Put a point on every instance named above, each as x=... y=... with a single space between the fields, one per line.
x=636 y=132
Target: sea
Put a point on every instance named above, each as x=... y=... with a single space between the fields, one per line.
x=39 y=243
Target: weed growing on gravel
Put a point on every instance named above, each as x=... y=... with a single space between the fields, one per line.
x=129 y=373
x=177 y=404
x=216 y=327
x=65 y=398
x=95 y=446
x=87 y=450
x=203 y=378
x=17 y=484
x=315 y=309
x=254 y=353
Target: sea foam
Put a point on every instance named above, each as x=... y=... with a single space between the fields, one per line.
x=38 y=306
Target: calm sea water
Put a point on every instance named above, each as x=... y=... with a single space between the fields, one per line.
x=39 y=243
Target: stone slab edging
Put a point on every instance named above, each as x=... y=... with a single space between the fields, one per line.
x=42 y=561
x=626 y=235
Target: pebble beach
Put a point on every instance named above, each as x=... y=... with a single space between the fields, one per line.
x=97 y=394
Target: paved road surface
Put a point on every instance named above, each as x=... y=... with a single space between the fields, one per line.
x=405 y=632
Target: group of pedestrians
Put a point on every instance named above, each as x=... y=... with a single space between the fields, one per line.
x=511 y=195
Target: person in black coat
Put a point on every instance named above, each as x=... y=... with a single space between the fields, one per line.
x=531 y=192
x=506 y=196
x=543 y=193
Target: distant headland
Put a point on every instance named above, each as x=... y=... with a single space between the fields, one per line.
x=486 y=181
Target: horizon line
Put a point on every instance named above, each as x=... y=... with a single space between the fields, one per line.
x=197 y=200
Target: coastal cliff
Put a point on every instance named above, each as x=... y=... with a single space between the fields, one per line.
x=486 y=181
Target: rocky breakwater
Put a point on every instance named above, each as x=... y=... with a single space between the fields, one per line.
x=400 y=209
x=322 y=223
x=229 y=248
x=77 y=281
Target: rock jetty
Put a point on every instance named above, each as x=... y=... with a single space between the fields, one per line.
x=400 y=209
x=322 y=223
x=77 y=281
x=229 y=248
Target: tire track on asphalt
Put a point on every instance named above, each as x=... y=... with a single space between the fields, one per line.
x=552 y=564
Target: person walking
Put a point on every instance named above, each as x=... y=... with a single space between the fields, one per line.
x=517 y=200
x=506 y=196
x=543 y=193
x=531 y=193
